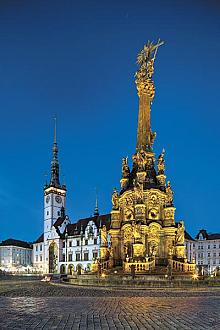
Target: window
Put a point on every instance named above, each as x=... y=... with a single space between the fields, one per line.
x=70 y=243
x=40 y=258
x=95 y=255
x=63 y=257
x=36 y=258
x=36 y=247
x=58 y=213
x=208 y=254
x=77 y=256
x=86 y=242
x=41 y=247
x=199 y=247
x=47 y=212
x=63 y=244
x=95 y=240
x=77 y=243
x=70 y=257
x=202 y=247
x=201 y=262
x=214 y=262
x=86 y=256
x=208 y=246
x=214 y=254
x=214 y=246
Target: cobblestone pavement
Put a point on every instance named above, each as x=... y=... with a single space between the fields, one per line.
x=44 y=306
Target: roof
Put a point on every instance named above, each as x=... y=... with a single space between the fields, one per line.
x=99 y=220
x=58 y=222
x=40 y=239
x=208 y=236
x=188 y=236
x=15 y=242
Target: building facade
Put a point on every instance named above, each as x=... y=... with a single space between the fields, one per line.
x=205 y=250
x=64 y=247
x=15 y=255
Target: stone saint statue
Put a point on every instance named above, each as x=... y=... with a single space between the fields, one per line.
x=160 y=163
x=115 y=200
x=125 y=167
x=169 y=193
x=104 y=240
x=180 y=233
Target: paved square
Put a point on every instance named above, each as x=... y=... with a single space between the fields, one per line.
x=45 y=306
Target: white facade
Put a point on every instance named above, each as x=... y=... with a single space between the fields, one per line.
x=13 y=256
x=205 y=250
x=63 y=247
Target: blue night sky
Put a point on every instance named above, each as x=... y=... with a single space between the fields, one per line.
x=77 y=60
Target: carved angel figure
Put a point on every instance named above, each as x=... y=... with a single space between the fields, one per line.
x=115 y=200
x=148 y=52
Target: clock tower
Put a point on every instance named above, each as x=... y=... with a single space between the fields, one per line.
x=54 y=193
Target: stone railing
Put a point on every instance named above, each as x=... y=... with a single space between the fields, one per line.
x=140 y=267
x=182 y=266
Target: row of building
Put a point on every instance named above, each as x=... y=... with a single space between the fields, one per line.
x=81 y=246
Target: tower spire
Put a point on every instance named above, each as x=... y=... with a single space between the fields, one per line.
x=146 y=91
x=54 y=179
x=96 y=210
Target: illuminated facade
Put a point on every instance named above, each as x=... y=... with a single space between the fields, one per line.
x=144 y=233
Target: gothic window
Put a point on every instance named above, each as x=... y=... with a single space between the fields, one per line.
x=86 y=256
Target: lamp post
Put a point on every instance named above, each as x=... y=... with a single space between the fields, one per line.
x=66 y=237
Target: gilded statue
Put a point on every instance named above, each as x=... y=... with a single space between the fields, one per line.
x=115 y=200
x=139 y=191
x=180 y=233
x=145 y=60
x=161 y=163
x=169 y=194
x=104 y=240
x=125 y=167
x=148 y=52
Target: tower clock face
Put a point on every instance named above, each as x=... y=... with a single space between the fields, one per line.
x=47 y=199
x=58 y=199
